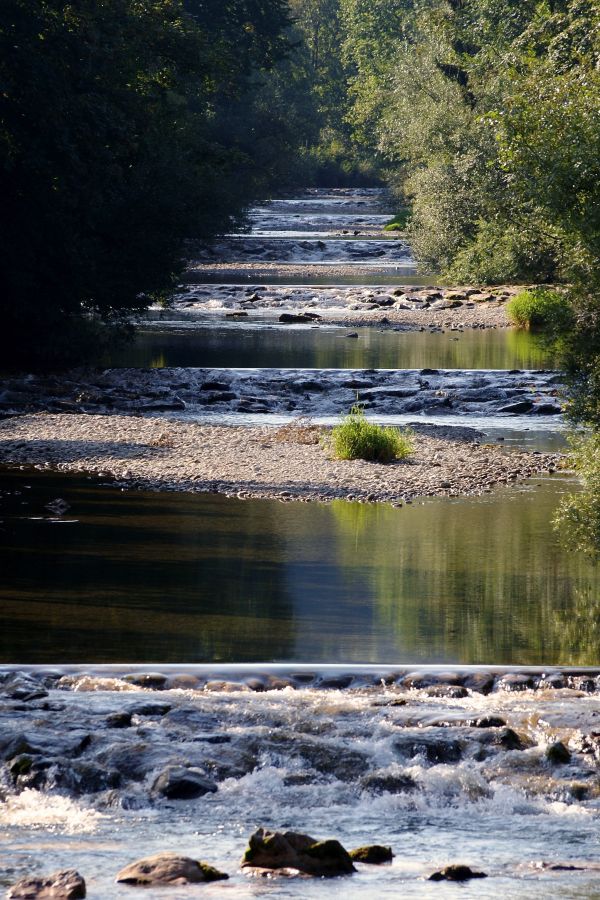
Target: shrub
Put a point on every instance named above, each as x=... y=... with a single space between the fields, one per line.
x=357 y=438
x=399 y=222
x=542 y=309
x=577 y=520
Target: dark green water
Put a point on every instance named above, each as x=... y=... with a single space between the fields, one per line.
x=144 y=577
x=188 y=341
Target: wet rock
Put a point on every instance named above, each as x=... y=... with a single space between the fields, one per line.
x=43 y=743
x=374 y=854
x=118 y=720
x=343 y=764
x=508 y=739
x=388 y=783
x=456 y=873
x=454 y=692
x=23 y=688
x=214 y=386
x=293 y=853
x=168 y=868
x=295 y=318
x=151 y=709
x=336 y=682
x=547 y=409
x=519 y=406
x=29 y=772
x=83 y=778
x=487 y=722
x=65 y=885
x=557 y=753
x=435 y=748
x=181 y=783
x=514 y=681
x=153 y=680
x=480 y=682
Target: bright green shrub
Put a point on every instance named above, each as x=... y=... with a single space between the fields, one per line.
x=357 y=438
x=399 y=222
x=542 y=309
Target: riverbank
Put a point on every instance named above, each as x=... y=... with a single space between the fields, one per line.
x=260 y=462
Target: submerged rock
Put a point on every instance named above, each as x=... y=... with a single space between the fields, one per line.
x=65 y=885
x=168 y=868
x=456 y=873
x=291 y=853
x=374 y=854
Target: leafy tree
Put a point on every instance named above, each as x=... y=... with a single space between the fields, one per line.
x=112 y=150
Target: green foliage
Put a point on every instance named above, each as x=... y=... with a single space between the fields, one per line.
x=577 y=520
x=486 y=116
x=399 y=222
x=357 y=438
x=541 y=309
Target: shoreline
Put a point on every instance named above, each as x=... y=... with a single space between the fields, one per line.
x=252 y=462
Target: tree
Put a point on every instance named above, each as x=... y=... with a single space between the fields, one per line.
x=112 y=151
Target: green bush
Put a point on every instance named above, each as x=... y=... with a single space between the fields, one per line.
x=399 y=222
x=357 y=438
x=577 y=520
x=540 y=309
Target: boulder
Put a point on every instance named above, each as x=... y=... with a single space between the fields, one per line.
x=388 y=783
x=168 y=868
x=557 y=753
x=291 y=853
x=181 y=783
x=374 y=854
x=65 y=885
x=456 y=873
x=291 y=318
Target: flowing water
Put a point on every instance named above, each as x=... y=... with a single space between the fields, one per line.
x=242 y=603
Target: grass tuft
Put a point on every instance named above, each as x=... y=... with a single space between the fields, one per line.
x=357 y=438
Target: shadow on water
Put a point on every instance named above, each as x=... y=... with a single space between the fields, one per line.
x=144 y=577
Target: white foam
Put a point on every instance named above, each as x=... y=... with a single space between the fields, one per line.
x=31 y=809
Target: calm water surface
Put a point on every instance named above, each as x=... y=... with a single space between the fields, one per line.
x=171 y=339
x=134 y=576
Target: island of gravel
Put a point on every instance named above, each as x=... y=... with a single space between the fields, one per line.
x=406 y=307
x=289 y=463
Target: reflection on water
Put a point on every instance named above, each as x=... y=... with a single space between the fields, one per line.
x=183 y=578
x=187 y=340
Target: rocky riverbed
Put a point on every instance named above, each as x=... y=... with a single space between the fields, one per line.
x=196 y=393
x=187 y=762
x=411 y=308
x=290 y=463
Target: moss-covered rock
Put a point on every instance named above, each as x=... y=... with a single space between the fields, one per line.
x=374 y=854
x=291 y=853
x=168 y=868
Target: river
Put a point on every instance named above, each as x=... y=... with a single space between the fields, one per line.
x=287 y=633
